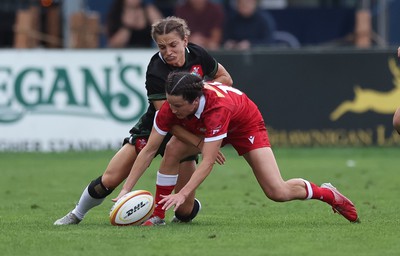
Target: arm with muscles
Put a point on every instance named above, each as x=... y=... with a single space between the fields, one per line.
x=210 y=152
x=223 y=76
x=142 y=162
x=189 y=138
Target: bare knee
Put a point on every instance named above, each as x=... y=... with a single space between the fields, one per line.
x=278 y=197
x=174 y=149
x=277 y=194
x=171 y=158
x=287 y=191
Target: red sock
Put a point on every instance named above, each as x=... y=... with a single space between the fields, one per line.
x=319 y=193
x=161 y=190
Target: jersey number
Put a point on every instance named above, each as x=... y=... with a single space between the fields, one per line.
x=224 y=88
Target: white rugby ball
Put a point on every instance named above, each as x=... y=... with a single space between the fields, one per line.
x=132 y=209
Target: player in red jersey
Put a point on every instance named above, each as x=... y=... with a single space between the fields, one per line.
x=174 y=53
x=222 y=115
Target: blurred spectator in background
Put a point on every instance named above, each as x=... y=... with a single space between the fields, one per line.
x=205 y=20
x=7 y=20
x=129 y=23
x=247 y=26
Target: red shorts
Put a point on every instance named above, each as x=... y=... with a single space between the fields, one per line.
x=255 y=138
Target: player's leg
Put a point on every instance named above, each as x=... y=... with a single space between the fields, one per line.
x=191 y=207
x=265 y=168
x=117 y=170
x=396 y=120
x=98 y=189
x=167 y=176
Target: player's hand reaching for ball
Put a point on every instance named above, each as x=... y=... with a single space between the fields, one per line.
x=172 y=200
x=121 y=194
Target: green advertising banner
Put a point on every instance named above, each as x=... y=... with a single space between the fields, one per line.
x=89 y=99
x=53 y=100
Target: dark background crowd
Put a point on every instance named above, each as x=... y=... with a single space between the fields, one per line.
x=223 y=24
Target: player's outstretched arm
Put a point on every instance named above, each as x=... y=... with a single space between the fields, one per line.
x=210 y=152
x=143 y=161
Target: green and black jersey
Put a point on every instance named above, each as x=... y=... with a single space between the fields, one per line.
x=198 y=61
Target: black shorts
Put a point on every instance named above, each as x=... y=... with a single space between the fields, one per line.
x=140 y=140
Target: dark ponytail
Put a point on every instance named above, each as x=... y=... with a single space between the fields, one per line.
x=184 y=84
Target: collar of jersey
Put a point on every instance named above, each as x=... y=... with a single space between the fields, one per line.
x=202 y=103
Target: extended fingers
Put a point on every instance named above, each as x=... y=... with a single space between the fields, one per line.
x=121 y=194
x=169 y=201
x=220 y=158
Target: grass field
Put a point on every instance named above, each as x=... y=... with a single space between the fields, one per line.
x=237 y=219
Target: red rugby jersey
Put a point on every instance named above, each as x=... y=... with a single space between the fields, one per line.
x=223 y=111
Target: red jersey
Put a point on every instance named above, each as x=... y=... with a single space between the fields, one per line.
x=223 y=112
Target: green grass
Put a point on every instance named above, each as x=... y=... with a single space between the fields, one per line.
x=237 y=219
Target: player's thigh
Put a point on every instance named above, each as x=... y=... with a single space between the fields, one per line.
x=176 y=151
x=176 y=147
x=266 y=170
x=119 y=166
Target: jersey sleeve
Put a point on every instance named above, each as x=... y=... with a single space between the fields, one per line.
x=217 y=123
x=164 y=119
x=159 y=126
x=155 y=79
x=155 y=88
x=209 y=64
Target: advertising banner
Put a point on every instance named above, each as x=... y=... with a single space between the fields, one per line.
x=70 y=100
x=337 y=97
x=89 y=99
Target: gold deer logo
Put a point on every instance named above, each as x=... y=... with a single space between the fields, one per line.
x=371 y=100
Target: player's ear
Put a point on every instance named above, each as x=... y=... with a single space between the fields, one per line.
x=185 y=41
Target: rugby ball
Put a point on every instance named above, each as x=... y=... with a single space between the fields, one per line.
x=132 y=209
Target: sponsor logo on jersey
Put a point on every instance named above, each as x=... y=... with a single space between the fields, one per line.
x=216 y=130
x=197 y=70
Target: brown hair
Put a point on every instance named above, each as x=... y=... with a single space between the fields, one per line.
x=184 y=84
x=168 y=25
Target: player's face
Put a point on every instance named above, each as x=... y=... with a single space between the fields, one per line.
x=180 y=107
x=172 y=48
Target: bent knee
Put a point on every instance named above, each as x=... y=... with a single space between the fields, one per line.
x=277 y=195
x=97 y=189
x=175 y=148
